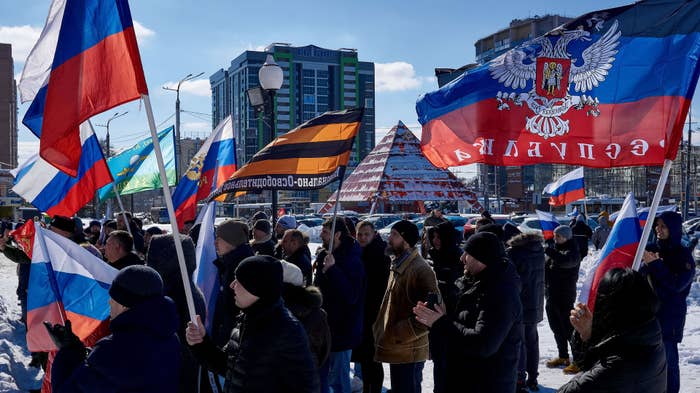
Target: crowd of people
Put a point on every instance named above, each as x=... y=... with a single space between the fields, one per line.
x=289 y=321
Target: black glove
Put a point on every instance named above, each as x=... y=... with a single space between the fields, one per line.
x=63 y=336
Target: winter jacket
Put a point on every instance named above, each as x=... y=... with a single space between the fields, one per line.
x=268 y=352
x=305 y=305
x=582 y=232
x=482 y=332
x=445 y=261
x=225 y=311
x=376 y=265
x=671 y=276
x=264 y=247
x=630 y=362
x=141 y=355
x=127 y=260
x=561 y=272
x=302 y=259
x=162 y=258
x=398 y=336
x=433 y=221
x=601 y=233
x=343 y=287
x=527 y=254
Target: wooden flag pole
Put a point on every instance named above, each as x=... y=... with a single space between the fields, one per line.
x=171 y=210
x=652 y=214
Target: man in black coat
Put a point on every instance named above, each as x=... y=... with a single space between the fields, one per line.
x=118 y=250
x=341 y=277
x=263 y=243
x=527 y=254
x=232 y=247
x=671 y=268
x=582 y=234
x=376 y=264
x=141 y=355
x=482 y=332
x=163 y=258
x=561 y=273
x=296 y=252
x=622 y=346
x=268 y=350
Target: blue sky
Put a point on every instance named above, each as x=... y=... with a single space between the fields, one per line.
x=407 y=40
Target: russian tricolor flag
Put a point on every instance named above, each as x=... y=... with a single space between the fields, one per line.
x=213 y=164
x=85 y=62
x=548 y=223
x=618 y=251
x=568 y=188
x=206 y=274
x=66 y=282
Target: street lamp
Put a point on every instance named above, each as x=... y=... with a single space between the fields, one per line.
x=106 y=125
x=271 y=78
x=177 y=117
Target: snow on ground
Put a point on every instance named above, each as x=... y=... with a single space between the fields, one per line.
x=16 y=376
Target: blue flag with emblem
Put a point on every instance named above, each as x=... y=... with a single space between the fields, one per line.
x=136 y=169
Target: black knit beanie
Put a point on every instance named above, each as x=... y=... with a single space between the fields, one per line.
x=135 y=284
x=408 y=231
x=486 y=247
x=261 y=275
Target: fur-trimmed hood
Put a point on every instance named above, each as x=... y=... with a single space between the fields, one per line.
x=526 y=239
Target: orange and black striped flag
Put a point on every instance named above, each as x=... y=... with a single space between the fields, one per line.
x=309 y=157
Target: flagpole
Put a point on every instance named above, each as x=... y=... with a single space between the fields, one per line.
x=169 y=204
x=335 y=212
x=121 y=206
x=652 y=214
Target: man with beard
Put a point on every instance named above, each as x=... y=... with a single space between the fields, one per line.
x=402 y=341
x=341 y=277
x=377 y=270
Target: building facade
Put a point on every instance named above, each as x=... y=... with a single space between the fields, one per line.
x=316 y=80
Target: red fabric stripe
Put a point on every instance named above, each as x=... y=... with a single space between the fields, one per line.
x=102 y=77
x=548 y=235
x=653 y=119
x=621 y=257
x=186 y=211
x=83 y=191
x=38 y=339
x=564 y=199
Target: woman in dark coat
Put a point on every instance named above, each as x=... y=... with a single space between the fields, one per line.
x=621 y=339
x=161 y=256
x=527 y=254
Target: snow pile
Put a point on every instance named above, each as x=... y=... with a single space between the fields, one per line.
x=15 y=374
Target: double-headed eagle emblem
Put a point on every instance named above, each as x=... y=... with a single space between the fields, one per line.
x=546 y=62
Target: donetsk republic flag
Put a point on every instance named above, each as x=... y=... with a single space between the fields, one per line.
x=309 y=157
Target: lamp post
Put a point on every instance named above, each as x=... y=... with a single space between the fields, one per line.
x=177 y=118
x=108 y=153
x=262 y=98
x=106 y=125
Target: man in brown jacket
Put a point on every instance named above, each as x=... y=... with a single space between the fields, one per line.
x=400 y=340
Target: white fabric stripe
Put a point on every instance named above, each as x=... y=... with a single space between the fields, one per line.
x=28 y=162
x=35 y=180
x=67 y=257
x=575 y=174
x=37 y=68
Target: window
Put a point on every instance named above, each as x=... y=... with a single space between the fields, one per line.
x=309 y=99
x=369 y=103
x=309 y=108
x=309 y=81
x=322 y=74
x=322 y=82
x=307 y=73
x=309 y=90
x=322 y=91
x=322 y=99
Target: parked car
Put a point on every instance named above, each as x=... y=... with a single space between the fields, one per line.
x=384 y=232
x=470 y=225
x=696 y=254
x=381 y=220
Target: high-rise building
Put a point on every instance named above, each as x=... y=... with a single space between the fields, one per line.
x=8 y=109
x=316 y=80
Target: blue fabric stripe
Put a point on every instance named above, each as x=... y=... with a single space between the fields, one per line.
x=40 y=294
x=86 y=23
x=34 y=117
x=55 y=190
x=568 y=186
x=643 y=67
x=221 y=153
